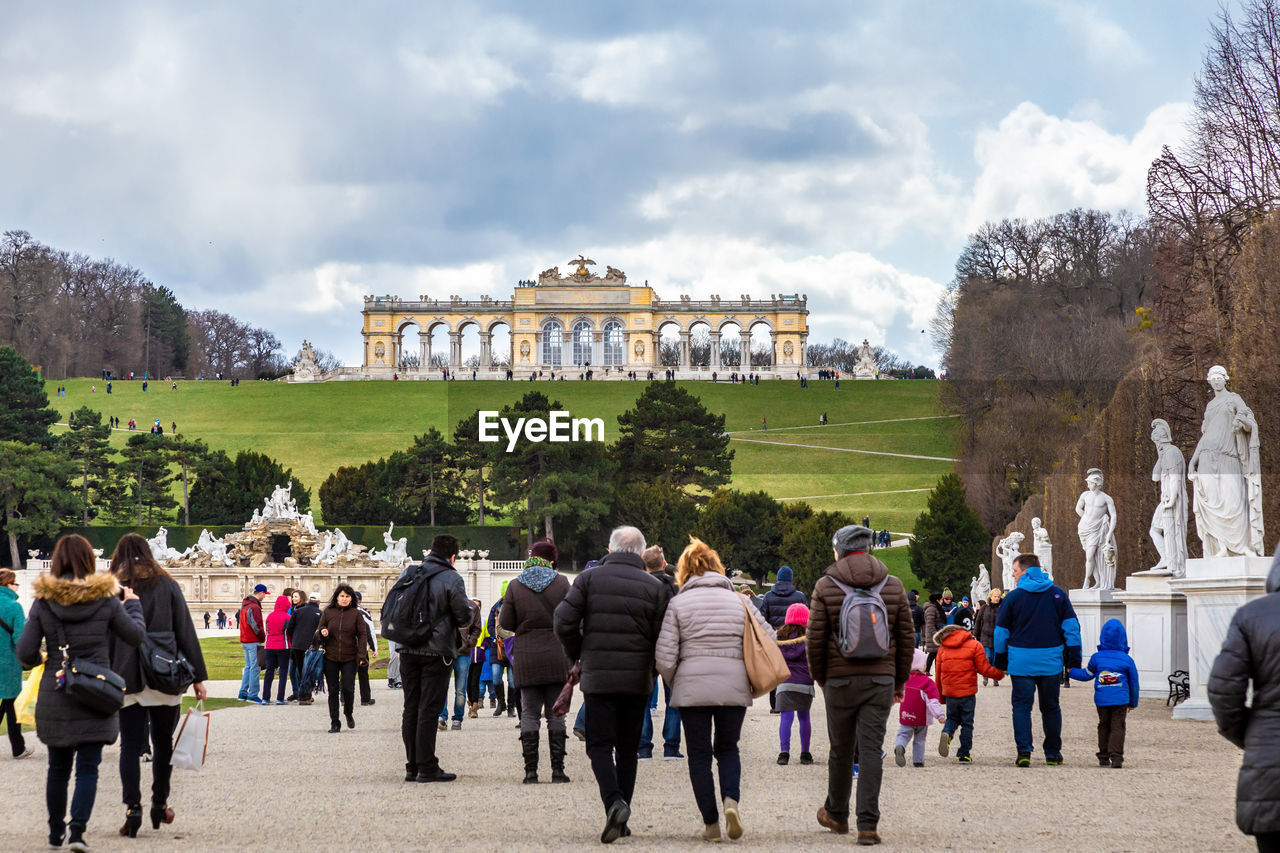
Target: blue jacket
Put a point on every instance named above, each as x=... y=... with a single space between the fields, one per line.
x=1036 y=628
x=1112 y=671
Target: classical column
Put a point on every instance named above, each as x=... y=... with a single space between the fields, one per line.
x=366 y=350
x=744 y=351
x=597 y=348
x=566 y=351
x=804 y=345
x=684 y=350
x=773 y=348
x=486 y=355
x=455 y=349
x=715 y=350
x=424 y=350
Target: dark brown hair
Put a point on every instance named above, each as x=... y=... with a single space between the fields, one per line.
x=349 y=590
x=1026 y=561
x=7 y=577
x=73 y=557
x=132 y=562
x=790 y=632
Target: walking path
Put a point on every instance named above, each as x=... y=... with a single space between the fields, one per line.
x=276 y=779
x=850 y=423
x=846 y=449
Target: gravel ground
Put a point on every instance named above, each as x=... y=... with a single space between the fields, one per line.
x=276 y=779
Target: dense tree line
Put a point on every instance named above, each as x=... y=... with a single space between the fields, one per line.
x=75 y=315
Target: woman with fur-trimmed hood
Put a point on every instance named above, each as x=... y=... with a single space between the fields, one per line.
x=77 y=606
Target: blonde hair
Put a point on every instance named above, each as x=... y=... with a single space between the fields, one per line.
x=697 y=559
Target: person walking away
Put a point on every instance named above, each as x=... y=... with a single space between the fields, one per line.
x=297 y=598
x=425 y=668
x=960 y=660
x=253 y=633
x=934 y=619
x=541 y=668
x=77 y=609
x=963 y=615
x=362 y=671
x=301 y=631
x=700 y=652
x=795 y=695
x=984 y=628
x=498 y=663
x=1249 y=663
x=461 y=670
x=277 y=648
x=655 y=563
x=774 y=607
x=344 y=636
x=169 y=626
x=1036 y=630
x=917 y=614
x=921 y=705
x=1115 y=690
x=858 y=691
x=12 y=621
x=609 y=624
x=206 y=620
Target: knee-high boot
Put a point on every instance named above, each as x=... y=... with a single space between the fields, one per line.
x=529 y=743
x=557 y=740
x=502 y=699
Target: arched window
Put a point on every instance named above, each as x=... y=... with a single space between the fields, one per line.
x=582 y=342
x=614 y=344
x=552 y=343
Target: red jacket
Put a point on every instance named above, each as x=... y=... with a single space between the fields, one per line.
x=276 y=623
x=252 y=629
x=960 y=659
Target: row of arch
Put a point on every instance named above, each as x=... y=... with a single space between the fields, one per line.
x=491 y=325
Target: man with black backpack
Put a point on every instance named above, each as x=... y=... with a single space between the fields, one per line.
x=425 y=612
x=859 y=642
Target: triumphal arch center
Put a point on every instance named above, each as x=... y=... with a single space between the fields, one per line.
x=568 y=324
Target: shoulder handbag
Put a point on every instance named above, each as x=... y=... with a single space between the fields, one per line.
x=164 y=667
x=94 y=687
x=766 y=667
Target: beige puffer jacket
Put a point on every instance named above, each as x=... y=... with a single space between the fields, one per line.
x=700 y=647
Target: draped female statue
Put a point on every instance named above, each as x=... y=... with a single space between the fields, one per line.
x=1226 y=472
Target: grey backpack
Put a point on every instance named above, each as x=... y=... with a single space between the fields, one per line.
x=863 y=632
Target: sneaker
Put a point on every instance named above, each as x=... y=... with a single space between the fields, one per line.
x=672 y=755
x=457 y=727
x=783 y=758
x=918 y=764
x=1117 y=762
x=289 y=699
x=1023 y=760
x=806 y=758
x=580 y=735
x=644 y=756
x=282 y=702
x=944 y=744
x=900 y=755
x=26 y=753
x=256 y=700
x=964 y=759
x=442 y=726
x=1053 y=760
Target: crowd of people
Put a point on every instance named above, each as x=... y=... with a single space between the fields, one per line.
x=860 y=641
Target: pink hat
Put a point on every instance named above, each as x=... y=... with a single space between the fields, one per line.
x=919 y=660
x=797 y=614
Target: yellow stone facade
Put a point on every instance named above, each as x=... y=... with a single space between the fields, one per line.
x=578 y=321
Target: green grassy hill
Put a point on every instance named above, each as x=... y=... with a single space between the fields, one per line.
x=863 y=462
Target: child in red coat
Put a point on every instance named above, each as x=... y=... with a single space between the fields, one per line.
x=960 y=661
x=920 y=706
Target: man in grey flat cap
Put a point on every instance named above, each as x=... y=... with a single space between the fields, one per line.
x=861 y=657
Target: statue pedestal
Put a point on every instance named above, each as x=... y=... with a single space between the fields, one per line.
x=1214 y=587
x=1093 y=608
x=1155 y=618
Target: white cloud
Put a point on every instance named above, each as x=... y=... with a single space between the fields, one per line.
x=1034 y=164
x=1103 y=41
x=647 y=70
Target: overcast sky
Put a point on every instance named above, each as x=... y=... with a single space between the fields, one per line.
x=280 y=160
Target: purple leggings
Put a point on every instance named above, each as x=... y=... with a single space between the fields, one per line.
x=784 y=730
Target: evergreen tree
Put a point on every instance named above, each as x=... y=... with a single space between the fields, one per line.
x=743 y=528
x=669 y=437
x=24 y=407
x=146 y=470
x=665 y=515
x=33 y=492
x=474 y=459
x=430 y=487
x=227 y=491
x=167 y=343
x=358 y=494
x=86 y=444
x=948 y=540
x=188 y=455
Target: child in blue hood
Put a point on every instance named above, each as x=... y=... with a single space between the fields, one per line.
x=1115 y=690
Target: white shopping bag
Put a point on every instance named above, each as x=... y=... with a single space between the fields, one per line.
x=192 y=740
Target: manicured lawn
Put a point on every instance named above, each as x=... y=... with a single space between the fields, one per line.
x=314 y=429
x=224 y=659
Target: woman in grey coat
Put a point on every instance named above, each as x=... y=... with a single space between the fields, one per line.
x=700 y=653
x=1251 y=653
x=75 y=605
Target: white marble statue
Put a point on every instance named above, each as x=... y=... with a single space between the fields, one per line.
x=160 y=550
x=338 y=546
x=308 y=522
x=281 y=504
x=1042 y=547
x=983 y=585
x=866 y=367
x=482 y=555
x=396 y=551
x=257 y=518
x=1007 y=549
x=306 y=365
x=1169 y=521
x=215 y=549
x=1226 y=471
x=1097 y=530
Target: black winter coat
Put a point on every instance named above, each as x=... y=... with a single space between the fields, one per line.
x=777 y=600
x=610 y=621
x=165 y=610
x=449 y=610
x=302 y=625
x=1251 y=652
x=984 y=628
x=89 y=613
